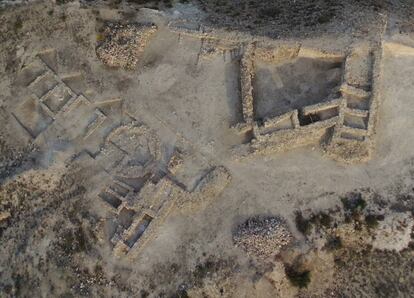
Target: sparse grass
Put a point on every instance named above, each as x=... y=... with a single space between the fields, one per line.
x=181 y=293
x=167 y=3
x=74 y=241
x=210 y=268
x=326 y=18
x=271 y=12
x=320 y=220
x=202 y=270
x=100 y=37
x=114 y=3
x=18 y=24
x=61 y=2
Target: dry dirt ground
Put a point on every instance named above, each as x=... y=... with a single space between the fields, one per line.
x=206 y=149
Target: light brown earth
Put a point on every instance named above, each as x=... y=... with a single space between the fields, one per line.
x=131 y=175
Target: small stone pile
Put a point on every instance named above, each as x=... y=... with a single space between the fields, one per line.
x=262 y=237
x=122 y=45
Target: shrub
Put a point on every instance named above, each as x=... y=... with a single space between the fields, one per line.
x=371 y=221
x=300 y=279
x=354 y=203
x=333 y=243
x=303 y=225
x=325 y=219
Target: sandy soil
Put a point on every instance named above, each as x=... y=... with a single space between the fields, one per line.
x=128 y=143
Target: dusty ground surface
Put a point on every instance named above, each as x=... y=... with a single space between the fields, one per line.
x=122 y=181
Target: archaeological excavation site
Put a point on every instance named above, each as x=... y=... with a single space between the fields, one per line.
x=206 y=148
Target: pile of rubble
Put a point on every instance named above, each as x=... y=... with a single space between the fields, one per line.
x=262 y=237
x=122 y=45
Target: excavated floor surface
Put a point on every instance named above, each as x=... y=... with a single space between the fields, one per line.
x=135 y=142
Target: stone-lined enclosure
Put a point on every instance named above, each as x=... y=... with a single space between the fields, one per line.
x=293 y=95
x=130 y=173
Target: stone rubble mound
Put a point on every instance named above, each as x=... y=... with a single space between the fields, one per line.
x=262 y=237
x=123 y=45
